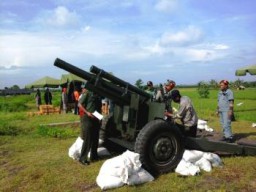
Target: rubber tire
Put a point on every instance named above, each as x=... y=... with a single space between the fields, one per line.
x=159 y=135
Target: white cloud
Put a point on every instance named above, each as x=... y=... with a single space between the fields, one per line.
x=166 y=6
x=24 y=49
x=86 y=28
x=190 y=35
x=61 y=17
x=200 y=55
x=220 y=46
x=155 y=49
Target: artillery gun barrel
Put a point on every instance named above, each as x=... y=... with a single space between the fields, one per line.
x=108 y=94
x=106 y=89
x=118 y=81
x=73 y=69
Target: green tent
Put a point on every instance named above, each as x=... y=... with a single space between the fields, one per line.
x=44 y=82
x=66 y=78
x=251 y=69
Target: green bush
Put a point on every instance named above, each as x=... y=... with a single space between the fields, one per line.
x=203 y=90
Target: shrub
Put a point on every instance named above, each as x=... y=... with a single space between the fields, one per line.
x=203 y=90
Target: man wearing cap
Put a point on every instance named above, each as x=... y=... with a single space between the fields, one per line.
x=225 y=110
x=90 y=125
x=151 y=90
x=186 y=113
x=168 y=86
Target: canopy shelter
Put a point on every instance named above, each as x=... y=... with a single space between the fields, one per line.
x=251 y=69
x=66 y=78
x=72 y=83
x=44 y=82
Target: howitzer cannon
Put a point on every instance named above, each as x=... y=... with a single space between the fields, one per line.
x=137 y=123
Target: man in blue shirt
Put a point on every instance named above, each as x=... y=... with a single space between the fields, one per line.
x=225 y=110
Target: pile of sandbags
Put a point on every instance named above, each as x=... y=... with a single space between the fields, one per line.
x=123 y=169
x=194 y=161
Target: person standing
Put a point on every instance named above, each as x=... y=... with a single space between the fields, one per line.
x=76 y=98
x=64 y=99
x=151 y=90
x=225 y=110
x=186 y=113
x=48 y=97
x=90 y=125
x=169 y=85
x=38 y=99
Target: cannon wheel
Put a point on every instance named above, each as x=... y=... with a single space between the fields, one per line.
x=160 y=146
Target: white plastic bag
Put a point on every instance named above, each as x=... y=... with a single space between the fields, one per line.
x=192 y=155
x=201 y=124
x=139 y=177
x=187 y=168
x=193 y=160
x=122 y=169
x=204 y=164
x=108 y=182
x=75 y=150
x=114 y=167
x=214 y=159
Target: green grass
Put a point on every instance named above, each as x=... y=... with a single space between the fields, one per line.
x=206 y=107
x=34 y=156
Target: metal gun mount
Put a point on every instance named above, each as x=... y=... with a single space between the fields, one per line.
x=137 y=123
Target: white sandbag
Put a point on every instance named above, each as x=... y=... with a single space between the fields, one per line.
x=192 y=155
x=214 y=159
x=207 y=128
x=201 y=124
x=186 y=168
x=132 y=160
x=204 y=164
x=108 y=182
x=102 y=151
x=121 y=167
x=139 y=177
x=131 y=164
x=75 y=150
x=113 y=167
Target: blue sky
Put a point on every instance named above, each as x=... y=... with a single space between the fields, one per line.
x=187 y=41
